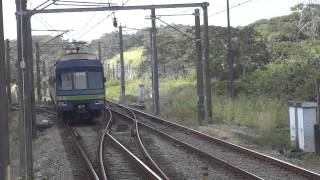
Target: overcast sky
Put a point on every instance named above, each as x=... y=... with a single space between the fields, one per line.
x=84 y=25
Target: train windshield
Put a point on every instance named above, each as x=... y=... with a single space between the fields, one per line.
x=65 y=81
x=80 y=80
x=95 y=80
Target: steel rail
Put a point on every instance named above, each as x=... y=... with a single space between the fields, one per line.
x=141 y=166
x=196 y=150
x=291 y=167
x=154 y=166
x=83 y=154
x=102 y=168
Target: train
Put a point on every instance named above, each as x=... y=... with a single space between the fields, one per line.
x=77 y=86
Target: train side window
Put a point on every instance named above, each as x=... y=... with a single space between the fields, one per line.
x=95 y=80
x=80 y=80
x=65 y=81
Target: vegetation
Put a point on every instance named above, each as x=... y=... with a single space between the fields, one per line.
x=275 y=61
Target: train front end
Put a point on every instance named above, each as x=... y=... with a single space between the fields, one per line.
x=79 y=87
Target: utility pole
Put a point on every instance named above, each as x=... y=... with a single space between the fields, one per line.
x=38 y=73
x=199 y=68
x=207 y=64
x=122 y=78
x=99 y=50
x=230 y=54
x=44 y=74
x=151 y=58
x=26 y=160
x=8 y=70
x=113 y=73
x=31 y=78
x=155 y=77
x=4 y=134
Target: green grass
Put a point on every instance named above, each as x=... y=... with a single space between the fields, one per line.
x=132 y=56
x=261 y=113
x=178 y=102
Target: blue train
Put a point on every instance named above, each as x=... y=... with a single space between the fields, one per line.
x=76 y=85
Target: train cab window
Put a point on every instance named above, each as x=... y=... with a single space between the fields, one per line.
x=65 y=81
x=80 y=80
x=95 y=80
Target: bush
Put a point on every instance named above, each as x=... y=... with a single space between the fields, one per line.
x=285 y=81
x=261 y=113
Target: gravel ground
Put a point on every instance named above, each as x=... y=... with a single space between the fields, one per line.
x=229 y=133
x=187 y=165
x=175 y=161
x=260 y=168
x=117 y=166
x=54 y=155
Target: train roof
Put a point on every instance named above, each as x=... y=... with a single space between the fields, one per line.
x=78 y=56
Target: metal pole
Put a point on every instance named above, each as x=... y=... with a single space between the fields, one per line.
x=113 y=73
x=20 y=91
x=99 y=50
x=4 y=134
x=151 y=58
x=44 y=74
x=31 y=78
x=207 y=64
x=155 y=78
x=122 y=75
x=38 y=73
x=316 y=126
x=120 y=8
x=230 y=58
x=108 y=71
x=26 y=162
x=8 y=70
x=318 y=100
x=199 y=68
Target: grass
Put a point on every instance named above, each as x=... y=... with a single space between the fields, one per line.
x=178 y=100
x=261 y=113
x=132 y=56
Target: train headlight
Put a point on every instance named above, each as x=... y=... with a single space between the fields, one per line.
x=99 y=102
x=62 y=104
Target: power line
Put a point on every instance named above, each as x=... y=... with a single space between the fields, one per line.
x=86 y=2
x=40 y=19
x=183 y=33
x=86 y=25
x=237 y=5
x=94 y=26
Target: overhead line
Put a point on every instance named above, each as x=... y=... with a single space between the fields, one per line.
x=86 y=2
x=135 y=39
x=176 y=29
x=240 y=4
x=41 y=4
x=99 y=22
x=87 y=23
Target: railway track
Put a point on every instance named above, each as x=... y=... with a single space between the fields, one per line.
x=122 y=164
x=187 y=157
x=104 y=156
x=254 y=163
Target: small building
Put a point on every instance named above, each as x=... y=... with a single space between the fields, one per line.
x=303 y=117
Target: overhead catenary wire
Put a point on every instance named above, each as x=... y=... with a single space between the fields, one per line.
x=40 y=5
x=234 y=6
x=85 y=2
x=94 y=26
x=178 y=30
x=40 y=19
x=92 y=16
